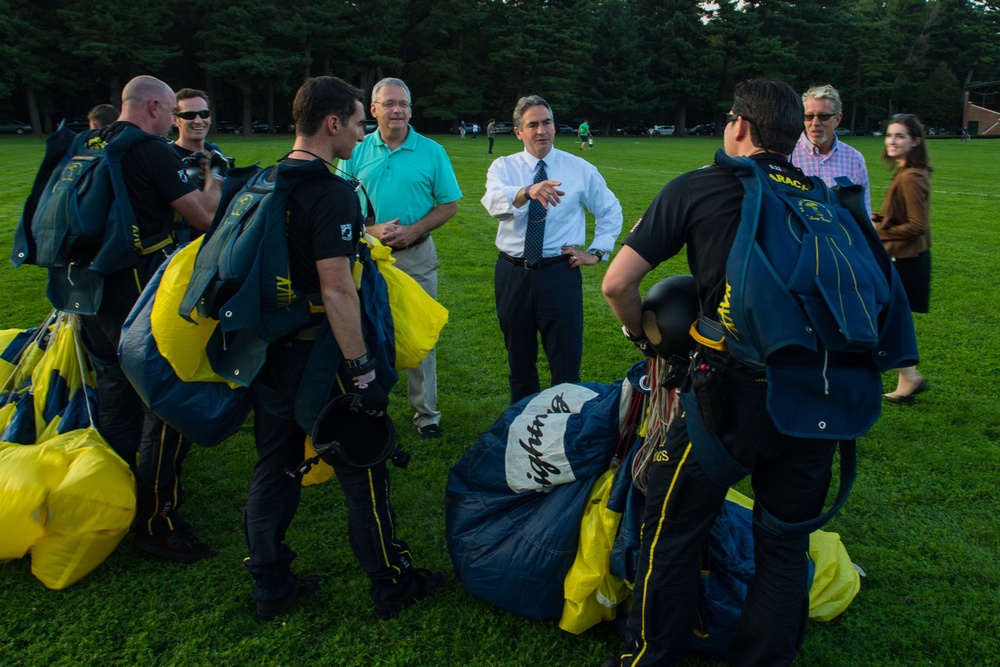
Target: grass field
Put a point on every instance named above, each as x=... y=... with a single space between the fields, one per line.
x=922 y=520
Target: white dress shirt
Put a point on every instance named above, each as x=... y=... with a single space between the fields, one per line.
x=565 y=223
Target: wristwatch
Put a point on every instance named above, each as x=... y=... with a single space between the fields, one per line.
x=598 y=253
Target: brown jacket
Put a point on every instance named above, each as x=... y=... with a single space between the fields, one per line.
x=904 y=223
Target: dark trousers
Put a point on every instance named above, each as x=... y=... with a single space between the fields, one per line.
x=790 y=478
x=153 y=450
x=491 y=144
x=274 y=496
x=549 y=301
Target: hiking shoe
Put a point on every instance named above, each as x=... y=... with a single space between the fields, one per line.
x=419 y=583
x=430 y=431
x=304 y=587
x=180 y=546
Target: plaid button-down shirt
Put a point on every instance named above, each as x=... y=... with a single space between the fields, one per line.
x=842 y=160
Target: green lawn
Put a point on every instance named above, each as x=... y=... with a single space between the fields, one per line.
x=922 y=520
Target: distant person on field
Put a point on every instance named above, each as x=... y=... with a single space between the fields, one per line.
x=584 y=132
x=965 y=134
x=819 y=152
x=491 y=133
x=102 y=115
x=461 y=129
x=475 y=130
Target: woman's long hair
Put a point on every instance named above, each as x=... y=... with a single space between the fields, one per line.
x=917 y=157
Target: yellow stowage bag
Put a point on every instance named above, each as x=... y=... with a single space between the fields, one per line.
x=836 y=580
x=183 y=343
x=70 y=500
x=321 y=470
x=591 y=591
x=89 y=511
x=417 y=318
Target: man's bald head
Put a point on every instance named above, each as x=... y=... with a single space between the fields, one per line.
x=148 y=103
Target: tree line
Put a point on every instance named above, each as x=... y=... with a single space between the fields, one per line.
x=613 y=62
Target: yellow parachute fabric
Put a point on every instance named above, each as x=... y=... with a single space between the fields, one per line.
x=28 y=474
x=17 y=364
x=417 y=318
x=183 y=344
x=61 y=368
x=591 y=591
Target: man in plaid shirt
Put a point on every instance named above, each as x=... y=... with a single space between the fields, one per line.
x=819 y=152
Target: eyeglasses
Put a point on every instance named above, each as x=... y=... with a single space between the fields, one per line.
x=392 y=104
x=823 y=117
x=191 y=115
x=730 y=117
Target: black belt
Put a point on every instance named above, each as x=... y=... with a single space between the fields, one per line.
x=540 y=264
x=420 y=240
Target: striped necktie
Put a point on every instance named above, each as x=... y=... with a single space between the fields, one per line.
x=535 y=236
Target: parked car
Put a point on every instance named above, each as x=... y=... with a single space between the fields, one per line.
x=704 y=130
x=861 y=131
x=662 y=131
x=877 y=133
x=78 y=124
x=226 y=127
x=563 y=128
x=370 y=125
x=503 y=127
x=842 y=132
x=14 y=127
x=631 y=131
x=938 y=130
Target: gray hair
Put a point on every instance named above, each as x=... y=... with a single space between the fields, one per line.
x=826 y=92
x=527 y=102
x=391 y=81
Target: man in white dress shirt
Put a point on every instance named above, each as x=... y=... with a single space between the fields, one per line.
x=539 y=198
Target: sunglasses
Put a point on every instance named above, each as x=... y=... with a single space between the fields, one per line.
x=191 y=115
x=823 y=117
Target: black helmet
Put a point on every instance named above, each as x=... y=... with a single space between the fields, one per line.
x=669 y=309
x=345 y=435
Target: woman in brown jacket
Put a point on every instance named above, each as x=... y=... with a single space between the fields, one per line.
x=904 y=227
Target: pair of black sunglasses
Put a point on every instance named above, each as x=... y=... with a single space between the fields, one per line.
x=191 y=115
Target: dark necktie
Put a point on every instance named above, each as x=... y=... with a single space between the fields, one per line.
x=535 y=235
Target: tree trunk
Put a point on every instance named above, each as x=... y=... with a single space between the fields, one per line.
x=115 y=90
x=307 y=52
x=270 y=107
x=213 y=105
x=247 y=99
x=33 y=116
x=680 y=119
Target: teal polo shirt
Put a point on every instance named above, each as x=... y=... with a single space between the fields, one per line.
x=405 y=183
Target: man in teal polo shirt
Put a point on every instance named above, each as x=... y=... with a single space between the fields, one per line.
x=413 y=191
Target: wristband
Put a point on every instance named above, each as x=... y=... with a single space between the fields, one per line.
x=527 y=192
x=628 y=334
x=360 y=365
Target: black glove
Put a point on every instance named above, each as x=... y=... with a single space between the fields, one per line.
x=641 y=342
x=374 y=400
